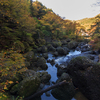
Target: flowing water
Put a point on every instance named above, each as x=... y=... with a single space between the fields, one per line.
x=52 y=70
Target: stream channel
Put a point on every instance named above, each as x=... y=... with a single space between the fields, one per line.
x=52 y=70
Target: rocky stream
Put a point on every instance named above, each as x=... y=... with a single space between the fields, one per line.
x=75 y=63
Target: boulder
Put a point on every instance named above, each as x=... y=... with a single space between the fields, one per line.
x=84 y=47
x=61 y=69
x=51 y=48
x=41 y=62
x=85 y=75
x=56 y=44
x=29 y=55
x=62 y=50
x=64 y=42
x=52 y=62
x=64 y=92
x=26 y=87
x=42 y=49
x=72 y=44
x=44 y=77
x=55 y=53
x=45 y=55
x=27 y=73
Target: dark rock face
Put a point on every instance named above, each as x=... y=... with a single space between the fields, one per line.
x=64 y=92
x=86 y=76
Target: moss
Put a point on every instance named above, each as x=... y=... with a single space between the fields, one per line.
x=56 y=44
x=28 y=86
x=80 y=62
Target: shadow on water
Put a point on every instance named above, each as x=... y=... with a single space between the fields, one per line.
x=52 y=70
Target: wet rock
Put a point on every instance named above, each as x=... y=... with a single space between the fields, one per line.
x=85 y=75
x=61 y=69
x=64 y=76
x=72 y=44
x=45 y=55
x=44 y=77
x=62 y=50
x=55 y=54
x=56 y=65
x=41 y=62
x=52 y=62
x=64 y=92
x=84 y=48
x=47 y=94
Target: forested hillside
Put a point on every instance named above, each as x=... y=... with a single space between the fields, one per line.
x=23 y=26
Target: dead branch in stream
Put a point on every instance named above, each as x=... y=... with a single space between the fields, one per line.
x=47 y=89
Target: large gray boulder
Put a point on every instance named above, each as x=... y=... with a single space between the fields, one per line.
x=85 y=75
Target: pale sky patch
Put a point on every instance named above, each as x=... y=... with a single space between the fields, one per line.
x=73 y=9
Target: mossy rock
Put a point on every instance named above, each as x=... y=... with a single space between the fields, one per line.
x=51 y=48
x=28 y=86
x=80 y=62
x=41 y=62
x=72 y=44
x=42 y=49
x=44 y=76
x=56 y=44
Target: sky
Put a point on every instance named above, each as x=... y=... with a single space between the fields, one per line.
x=73 y=9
